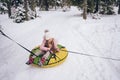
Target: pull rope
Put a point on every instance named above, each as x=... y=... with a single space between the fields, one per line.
x=16 y=42
x=90 y=55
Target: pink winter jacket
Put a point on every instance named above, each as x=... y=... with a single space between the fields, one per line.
x=43 y=48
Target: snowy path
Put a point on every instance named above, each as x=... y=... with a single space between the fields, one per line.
x=95 y=37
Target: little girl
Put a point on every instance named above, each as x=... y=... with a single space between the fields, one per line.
x=49 y=45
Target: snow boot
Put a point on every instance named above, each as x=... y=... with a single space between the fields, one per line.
x=30 y=61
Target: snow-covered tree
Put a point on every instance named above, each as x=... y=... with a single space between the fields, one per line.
x=19 y=15
x=106 y=7
x=3 y=8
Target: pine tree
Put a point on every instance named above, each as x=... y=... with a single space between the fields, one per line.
x=9 y=7
x=46 y=5
x=85 y=9
x=118 y=6
x=32 y=6
x=91 y=6
x=96 y=5
x=26 y=9
x=40 y=4
x=68 y=3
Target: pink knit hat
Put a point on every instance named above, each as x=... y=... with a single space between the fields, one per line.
x=47 y=35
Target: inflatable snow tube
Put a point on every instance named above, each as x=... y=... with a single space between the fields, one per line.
x=53 y=59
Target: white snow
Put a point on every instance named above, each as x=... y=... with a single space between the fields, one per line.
x=99 y=37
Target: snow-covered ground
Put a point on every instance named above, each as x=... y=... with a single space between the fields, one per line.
x=99 y=37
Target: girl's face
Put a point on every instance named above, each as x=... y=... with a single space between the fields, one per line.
x=50 y=40
x=49 y=43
